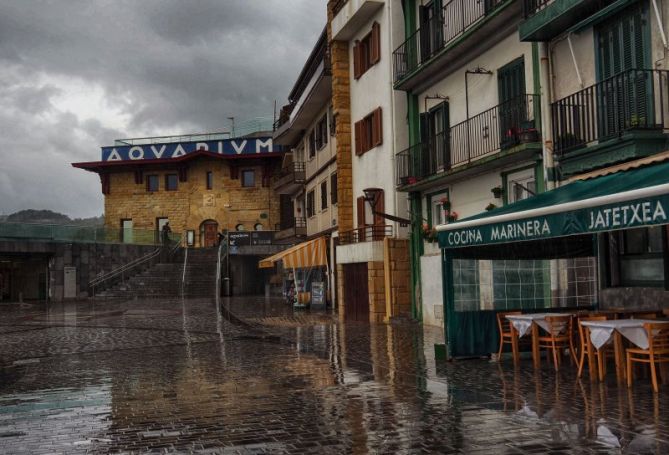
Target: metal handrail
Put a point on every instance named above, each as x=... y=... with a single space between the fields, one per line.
x=183 y=273
x=369 y=233
x=633 y=100
x=95 y=282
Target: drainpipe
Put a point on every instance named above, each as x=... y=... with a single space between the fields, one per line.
x=545 y=79
x=547 y=118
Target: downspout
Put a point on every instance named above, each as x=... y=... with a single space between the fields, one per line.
x=547 y=117
x=660 y=24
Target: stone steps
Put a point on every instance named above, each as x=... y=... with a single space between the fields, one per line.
x=165 y=279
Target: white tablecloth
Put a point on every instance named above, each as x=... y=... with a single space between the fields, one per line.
x=523 y=322
x=632 y=329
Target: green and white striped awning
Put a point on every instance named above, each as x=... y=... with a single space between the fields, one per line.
x=625 y=199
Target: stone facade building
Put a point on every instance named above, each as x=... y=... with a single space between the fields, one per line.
x=202 y=188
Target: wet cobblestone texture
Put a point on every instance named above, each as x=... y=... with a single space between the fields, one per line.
x=181 y=377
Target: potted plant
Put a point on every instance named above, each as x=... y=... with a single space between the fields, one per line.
x=528 y=135
x=452 y=216
x=490 y=207
x=411 y=180
x=498 y=191
x=445 y=204
x=429 y=233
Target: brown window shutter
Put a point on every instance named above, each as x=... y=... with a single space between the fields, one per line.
x=361 y=211
x=379 y=207
x=375 y=51
x=358 y=137
x=377 y=128
x=357 y=64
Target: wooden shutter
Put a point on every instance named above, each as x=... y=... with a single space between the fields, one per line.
x=379 y=207
x=358 y=137
x=375 y=51
x=104 y=181
x=377 y=128
x=357 y=64
x=361 y=211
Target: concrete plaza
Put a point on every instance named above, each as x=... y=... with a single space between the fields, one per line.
x=173 y=376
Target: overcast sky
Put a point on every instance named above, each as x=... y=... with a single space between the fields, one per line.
x=77 y=74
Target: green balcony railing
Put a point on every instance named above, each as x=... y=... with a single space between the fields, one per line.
x=80 y=234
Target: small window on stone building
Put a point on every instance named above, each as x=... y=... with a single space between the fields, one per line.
x=239 y=227
x=210 y=180
x=258 y=227
x=248 y=178
x=152 y=183
x=171 y=182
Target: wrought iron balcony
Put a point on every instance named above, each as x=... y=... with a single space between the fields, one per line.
x=499 y=128
x=369 y=233
x=546 y=19
x=291 y=178
x=455 y=18
x=634 y=100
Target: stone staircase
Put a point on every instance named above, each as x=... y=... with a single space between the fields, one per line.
x=163 y=280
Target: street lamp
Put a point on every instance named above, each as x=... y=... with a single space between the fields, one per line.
x=372 y=197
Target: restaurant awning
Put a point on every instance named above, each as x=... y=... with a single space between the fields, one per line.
x=312 y=253
x=622 y=200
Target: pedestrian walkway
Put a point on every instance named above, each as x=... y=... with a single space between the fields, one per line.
x=179 y=376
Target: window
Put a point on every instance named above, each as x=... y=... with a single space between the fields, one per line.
x=521 y=185
x=258 y=227
x=151 y=183
x=171 y=182
x=437 y=207
x=333 y=121
x=240 y=227
x=367 y=51
x=435 y=131
x=321 y=133
x=210 y=180
x=190 y=237
x=636 y=257
x=368 y=132
x=333 y=188
x=311 y=201
x=312 y=143
x=248 y=178
x=324 y=194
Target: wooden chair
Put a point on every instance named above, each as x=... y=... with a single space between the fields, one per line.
x=657 y=352
x=505 y=330
x=600 y=354
x=645 y=315
x=558 y=338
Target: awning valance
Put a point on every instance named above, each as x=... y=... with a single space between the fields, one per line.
x=626 y=199
x=312 y=253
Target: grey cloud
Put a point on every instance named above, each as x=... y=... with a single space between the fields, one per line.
x=177 y=66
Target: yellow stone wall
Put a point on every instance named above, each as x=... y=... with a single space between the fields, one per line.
x=397 y=271
x=377 y=292
x=341 y=108
x=227 y=203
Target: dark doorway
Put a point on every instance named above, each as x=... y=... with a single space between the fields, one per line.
x=209 y=233
x=356 y=295
x=287 y=219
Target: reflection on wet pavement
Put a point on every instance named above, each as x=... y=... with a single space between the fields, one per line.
x=179 y=376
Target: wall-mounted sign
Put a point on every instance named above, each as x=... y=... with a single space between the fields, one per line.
x=262 y=238
x=609 y=217
x=239 y=238
x=229 y=147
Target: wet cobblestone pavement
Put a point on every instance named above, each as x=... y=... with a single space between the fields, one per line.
x=181 y=377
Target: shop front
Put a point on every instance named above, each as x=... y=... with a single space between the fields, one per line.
x=304 y=273
x=581 y=246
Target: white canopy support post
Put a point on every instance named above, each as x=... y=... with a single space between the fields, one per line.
x=573 y=58
x=660 y=24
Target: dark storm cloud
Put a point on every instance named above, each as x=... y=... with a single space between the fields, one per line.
x=163 y=65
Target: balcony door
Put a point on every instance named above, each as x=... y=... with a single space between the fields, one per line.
x=435 y=126
x=624 y=96
x=512 y=108
x=431 y=35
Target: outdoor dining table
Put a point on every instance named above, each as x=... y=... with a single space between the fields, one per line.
x=601 y=332
x=524 y=323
